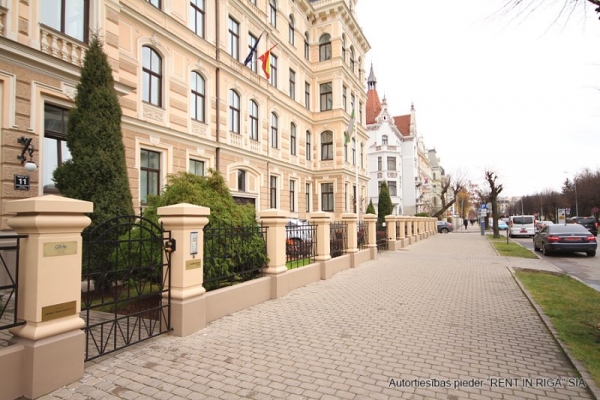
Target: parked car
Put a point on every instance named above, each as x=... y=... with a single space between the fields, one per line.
x=569 y=238
x=502 y=225
x=298 y=235
x=521 y=225
x=590 y=223
x=540 y=224
x=444 y=227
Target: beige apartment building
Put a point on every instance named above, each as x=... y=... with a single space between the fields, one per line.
x=189 y=102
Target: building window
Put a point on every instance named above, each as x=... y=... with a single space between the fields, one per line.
x=70 y=17
x=308 y=197
x=253 y=120
x=344 y=97
x=273 y=13
x=325 y=89
x=293 y=196
x=384 y=140
x=56 y=151
x=151 y=77
x=353 y=151
x=308 y=146
x=352 y=101
x=241 y=180
x=352 y=58
x=343 y=48
x=307 y=95
x=292 y=84
x=273 y=79
x=155 y=3
x=346 y=197
x=251 y=42
x=274 y=131
x=391 y=163
x=362 y=154
x=327 y=197
x=197 y=17
x=392 y=188
x=149 y=174
x=378 y=163
x=325 y=47
x=306 y=46
x=196 y=167
x=327 y=145
x=234 y=38
x=273 y=192
x=197 y=97
x=345 y=151
x=293 y=139
x=291 y=33
x=234 y=111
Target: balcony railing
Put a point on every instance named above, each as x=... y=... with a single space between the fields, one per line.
x=62 y=46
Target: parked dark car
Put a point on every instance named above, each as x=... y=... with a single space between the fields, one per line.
x=444 y=227
x=569 y=238
x=590 y=223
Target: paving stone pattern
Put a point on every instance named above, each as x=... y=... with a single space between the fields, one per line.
x=445 y=310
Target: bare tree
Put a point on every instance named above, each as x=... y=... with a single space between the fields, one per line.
x=495 y=190
x=529 y=6
x=449 y=186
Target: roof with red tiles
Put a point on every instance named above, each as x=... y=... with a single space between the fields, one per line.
x=373 y=107
x=402 y=122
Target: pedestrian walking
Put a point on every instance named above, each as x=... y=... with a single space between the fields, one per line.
x=466 y=223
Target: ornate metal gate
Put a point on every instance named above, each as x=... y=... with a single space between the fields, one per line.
x=125 y=293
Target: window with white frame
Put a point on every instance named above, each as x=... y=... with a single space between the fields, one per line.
x=352 y=58
x=149 y=174
x=55 y=147
x=234 y=38
x=392 y=188
x=155 y=3
x=274 y=131
x=326 y=96
x=197 y=17
x=344 y=96
x=325 y=47
x=384 y=140
x=253 y=112
x=308 y=146
x=293 y=139
x=379 y=164
x=327 y=197
x=151 y=77
x=196 y=167
x=251 y=43
x=391 y=163
x=273 y=192
x=327 y=145
x=273 y=78
x=234 y=111
x=70 y=17
x=197 y=97
x=307 y=95
x=292 y=84
x=343 y=47
x=308 y=196
x=291 y=31
x=241 y=180
x=293 y=195
x=306 y=46
x=273 y=13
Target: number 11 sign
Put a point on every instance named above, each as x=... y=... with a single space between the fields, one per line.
x=21 y=182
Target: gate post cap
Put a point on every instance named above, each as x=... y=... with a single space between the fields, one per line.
x=183 y=209
x=49 y=204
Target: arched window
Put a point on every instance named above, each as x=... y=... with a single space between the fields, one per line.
x=234 y=111
x=197 y=97
x=325 y=47
x=253 y=120
x=291 y=31
x=306 y=46
x=151 y=76
x=274 y=131
x=293 y=139
x=273 y=13
x=308 y=146
x=327 y=145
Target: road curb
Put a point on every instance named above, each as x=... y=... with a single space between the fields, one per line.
x=591 y=385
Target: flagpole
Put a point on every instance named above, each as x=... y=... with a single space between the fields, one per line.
x=356 y=177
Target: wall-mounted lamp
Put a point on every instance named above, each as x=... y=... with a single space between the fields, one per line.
x=27 y=147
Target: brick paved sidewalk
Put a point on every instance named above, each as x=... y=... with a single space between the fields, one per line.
x=445 y=310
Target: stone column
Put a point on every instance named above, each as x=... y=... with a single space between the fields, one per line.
x=390 y=222
x=186 y=223
x=409 y=230
x=322 y=220
x=371 y=221
x=352 y=224
x=50 y=290
x=275 y=220
x=401 y=221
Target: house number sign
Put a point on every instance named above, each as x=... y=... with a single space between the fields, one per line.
x=21 y=182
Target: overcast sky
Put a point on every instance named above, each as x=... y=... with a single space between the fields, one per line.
x=516 y=93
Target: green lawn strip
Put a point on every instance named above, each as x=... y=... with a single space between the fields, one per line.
x=574 y=310
x=298 y=263
x=510 y=249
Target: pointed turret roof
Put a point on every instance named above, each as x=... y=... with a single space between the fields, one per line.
x=373 y=106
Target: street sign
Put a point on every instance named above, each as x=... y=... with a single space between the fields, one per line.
x=483 y=206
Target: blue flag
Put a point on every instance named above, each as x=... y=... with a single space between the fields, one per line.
x=252 y=51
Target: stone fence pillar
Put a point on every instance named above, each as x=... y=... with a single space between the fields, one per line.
x=49 y=291
x=371 y=220
x=390 y=226
x=186 y=223
x=275 y=220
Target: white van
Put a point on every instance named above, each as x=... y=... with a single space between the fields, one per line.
x=521 y=225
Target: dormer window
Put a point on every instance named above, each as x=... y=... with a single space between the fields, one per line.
x=384 y=140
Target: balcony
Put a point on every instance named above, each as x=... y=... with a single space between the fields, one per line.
x=62 y=46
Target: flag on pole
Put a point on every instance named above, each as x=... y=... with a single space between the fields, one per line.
x=350 y=126
x=252 y=51
x=266 y=62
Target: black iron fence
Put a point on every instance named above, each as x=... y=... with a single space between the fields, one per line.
x=362 y=235
x=338 y=238
x=300 y=245
x=9 y=280
x=381 y=237
x=233 y=254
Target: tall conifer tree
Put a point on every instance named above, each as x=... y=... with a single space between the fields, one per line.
x=97 y=171
x=384 y=205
